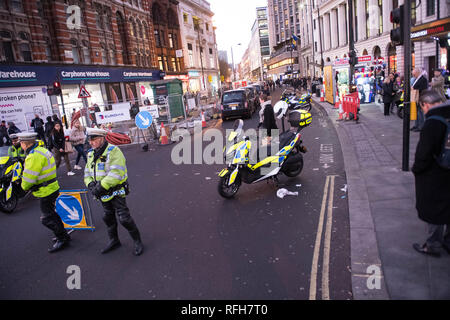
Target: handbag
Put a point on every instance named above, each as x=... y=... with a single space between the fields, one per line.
x=68 y=148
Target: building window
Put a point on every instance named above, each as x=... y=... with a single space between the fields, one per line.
x=16 y=5
x=75 y=52
x=185 y=17
x=380 y=19
x=86 y=55
x=160 y=63
x=170 y=40
x=174 y=64
x=8 y=52
x=157 y=38
x=162 y=38
x=191 y=55
x=431 y=7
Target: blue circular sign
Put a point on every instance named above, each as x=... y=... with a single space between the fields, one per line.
x=69 y=209
x=144 y=120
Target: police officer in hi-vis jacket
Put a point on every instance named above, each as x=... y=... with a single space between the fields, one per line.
x=39 y=176
x=106 y=177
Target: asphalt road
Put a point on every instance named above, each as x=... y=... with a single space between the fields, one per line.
x=197 y=244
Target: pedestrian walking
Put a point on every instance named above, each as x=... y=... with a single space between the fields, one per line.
x=420 y=84
x=437 y=83
x=78 y=137
x=106 y=177
x=48 y=128
x=267 y=120
x=39 y=176
x=38 y=125
x=388 y=95
x=58 y=145
x=431 y=180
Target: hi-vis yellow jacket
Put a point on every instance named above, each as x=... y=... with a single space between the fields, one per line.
x=109 y=169
x=39 y=168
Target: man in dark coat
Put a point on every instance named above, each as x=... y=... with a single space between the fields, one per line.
x=432 y=181
x=388 y=94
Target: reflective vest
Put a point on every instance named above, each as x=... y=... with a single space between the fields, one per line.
x=40 y=167
x=109 y=169
x=16 y=152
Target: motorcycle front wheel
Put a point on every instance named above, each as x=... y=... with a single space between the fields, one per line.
x=10 y=205
x=227 y=191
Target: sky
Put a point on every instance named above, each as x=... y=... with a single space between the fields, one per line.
x=234 y=20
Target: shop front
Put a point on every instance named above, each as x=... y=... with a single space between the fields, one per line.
x=106 y=87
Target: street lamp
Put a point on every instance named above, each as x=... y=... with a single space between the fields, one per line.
x=232 y=61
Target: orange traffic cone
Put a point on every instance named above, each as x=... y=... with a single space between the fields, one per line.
x=164 y=138
x=203 y=120
x=338 y=102
x=322 y=96
x=341 y=112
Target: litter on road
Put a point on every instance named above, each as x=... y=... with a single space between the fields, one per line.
x=281 y=193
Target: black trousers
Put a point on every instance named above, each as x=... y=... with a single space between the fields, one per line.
x=387 y=108
x=50 y=218
x=118 y=205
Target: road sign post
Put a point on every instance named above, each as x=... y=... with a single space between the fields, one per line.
x=143 y=121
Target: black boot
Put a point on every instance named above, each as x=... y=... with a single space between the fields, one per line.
x=138 y=246
x=60 y=243
x=114 y=242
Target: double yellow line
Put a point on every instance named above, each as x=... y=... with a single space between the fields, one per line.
x=328 y=192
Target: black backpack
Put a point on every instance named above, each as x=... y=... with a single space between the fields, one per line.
x=443 y=159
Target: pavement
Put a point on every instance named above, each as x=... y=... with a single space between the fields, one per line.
x=383 y=219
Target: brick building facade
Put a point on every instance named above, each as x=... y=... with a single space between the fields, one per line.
x=141 y=33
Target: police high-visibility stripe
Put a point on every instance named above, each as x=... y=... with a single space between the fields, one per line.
x=110 y=173
x=14 y=152
x=39 y=168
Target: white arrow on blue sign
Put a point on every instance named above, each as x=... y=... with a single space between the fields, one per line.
x=143 y=120
x=69 y=209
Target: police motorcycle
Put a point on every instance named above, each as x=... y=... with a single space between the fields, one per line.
x=288 y=160
x=295 y=103
x=10 y=179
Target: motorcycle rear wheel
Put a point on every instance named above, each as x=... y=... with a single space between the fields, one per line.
x=227 y=191
x=10 y=205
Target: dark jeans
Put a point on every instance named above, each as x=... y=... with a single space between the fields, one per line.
x=118 y=205
x=81 y=153
x=50 y=218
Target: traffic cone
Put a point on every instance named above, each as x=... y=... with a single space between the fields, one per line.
x=322 y=96
x=338 y=102
x=164 y=138
x=203 y=120
x=341 y=112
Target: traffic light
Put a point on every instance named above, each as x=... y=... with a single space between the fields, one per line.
x=397 y=33
x=55 y=89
